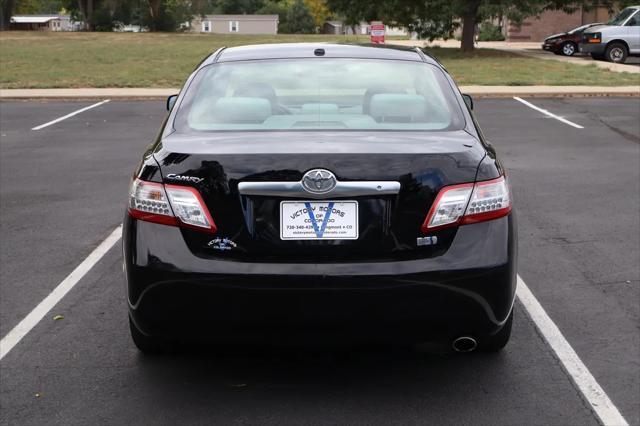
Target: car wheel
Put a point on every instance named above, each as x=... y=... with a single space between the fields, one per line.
x=496 y=342
x=568 y=49
x=146 y=344
x=616 y=52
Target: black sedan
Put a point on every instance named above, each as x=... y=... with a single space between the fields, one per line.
x=566 y=43
x=311 y=191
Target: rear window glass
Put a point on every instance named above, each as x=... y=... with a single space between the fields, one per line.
x=319 y=94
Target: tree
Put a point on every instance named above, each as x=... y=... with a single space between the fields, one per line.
x=279 y=8
x=299 y=20
x=433 y=19
x=6 y=10
x=319 y=11
x=238 y=7
x=167 y=15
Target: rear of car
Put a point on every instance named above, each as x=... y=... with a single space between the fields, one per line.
x=617 y=40
x=302 y=191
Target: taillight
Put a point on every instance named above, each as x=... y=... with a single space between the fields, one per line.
x=594 y=38
x=189 y=207
x=169 y=205
x=468 y=203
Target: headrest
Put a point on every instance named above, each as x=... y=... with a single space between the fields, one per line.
x=320 y=109
x=398 y=107
x=241 y=110
x=256 y=90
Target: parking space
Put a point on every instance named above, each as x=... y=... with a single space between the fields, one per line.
x=63 y=190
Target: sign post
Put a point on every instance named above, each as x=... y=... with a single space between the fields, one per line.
x=377 y=32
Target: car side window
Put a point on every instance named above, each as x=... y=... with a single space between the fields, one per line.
x=634 y=21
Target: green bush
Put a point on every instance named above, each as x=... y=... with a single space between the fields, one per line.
x=490 y=32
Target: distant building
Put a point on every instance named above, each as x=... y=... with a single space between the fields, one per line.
x=43 y=23
x=332 y=27
x=129 y=28
x=235 y=24
x=537 y=28
x=363 y=28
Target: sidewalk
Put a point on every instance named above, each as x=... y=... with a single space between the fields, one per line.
x=528 y=49
x=87 y=93
x=478 y=91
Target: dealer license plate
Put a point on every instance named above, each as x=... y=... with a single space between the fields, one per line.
x=319 y=220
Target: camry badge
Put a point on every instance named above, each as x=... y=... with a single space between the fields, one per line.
x=184 y=178
x=318 y=181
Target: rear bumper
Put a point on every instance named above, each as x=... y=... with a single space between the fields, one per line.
x=172 y=293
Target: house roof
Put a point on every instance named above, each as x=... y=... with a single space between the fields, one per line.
x=243 y=17
x=36 y=19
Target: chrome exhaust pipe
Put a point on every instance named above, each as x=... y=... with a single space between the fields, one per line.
x=464 y=344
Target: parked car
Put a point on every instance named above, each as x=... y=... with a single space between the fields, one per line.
x=566 y=43
x=615 y=41
x=314 y=190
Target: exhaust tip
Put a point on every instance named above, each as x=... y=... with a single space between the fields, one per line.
x=464 y=344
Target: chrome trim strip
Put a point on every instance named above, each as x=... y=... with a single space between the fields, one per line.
x=342 y=189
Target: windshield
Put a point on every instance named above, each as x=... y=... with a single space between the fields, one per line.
x=621 y=17
x=319 y=93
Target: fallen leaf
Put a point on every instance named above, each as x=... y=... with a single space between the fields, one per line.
x=58 y=317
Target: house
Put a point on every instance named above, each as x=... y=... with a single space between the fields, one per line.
x=363 y=28
x=332 y=27
x=235 y=24
x=42 y=23
x=537 y=28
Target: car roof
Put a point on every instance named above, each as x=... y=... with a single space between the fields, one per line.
x=308 y=50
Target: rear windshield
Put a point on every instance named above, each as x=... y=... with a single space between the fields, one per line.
x=319 y=94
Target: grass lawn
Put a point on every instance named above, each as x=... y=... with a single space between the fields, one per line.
x=46 y=60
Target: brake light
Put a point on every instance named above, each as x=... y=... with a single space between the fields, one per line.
x=594 y=38
x=169 y=205
x=469 y=203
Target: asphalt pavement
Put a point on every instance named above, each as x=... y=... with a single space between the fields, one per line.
x=63 y=190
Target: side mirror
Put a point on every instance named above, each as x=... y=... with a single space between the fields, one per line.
x=171 y=101
x=468 y=100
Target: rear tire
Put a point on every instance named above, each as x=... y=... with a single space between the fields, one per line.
x=148 y=345
x=616 y=53
x=498 y=341
x=568 y=48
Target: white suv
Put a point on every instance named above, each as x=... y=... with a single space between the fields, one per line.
x=616 y=40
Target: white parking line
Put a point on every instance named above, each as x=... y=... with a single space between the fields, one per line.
x=547 y=113
x=35 y=316
x=57 y=120
x=580 y=374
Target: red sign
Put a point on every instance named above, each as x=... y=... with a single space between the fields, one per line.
x=377 y=32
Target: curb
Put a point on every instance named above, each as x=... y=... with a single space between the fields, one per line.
x=550 y=91
x=476 y=91
x=89 y=93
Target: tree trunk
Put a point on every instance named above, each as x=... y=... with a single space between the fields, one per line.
x=86 y=8
x=90 y=15
x=6 y=10
x=154 y=11
x=469 y=21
